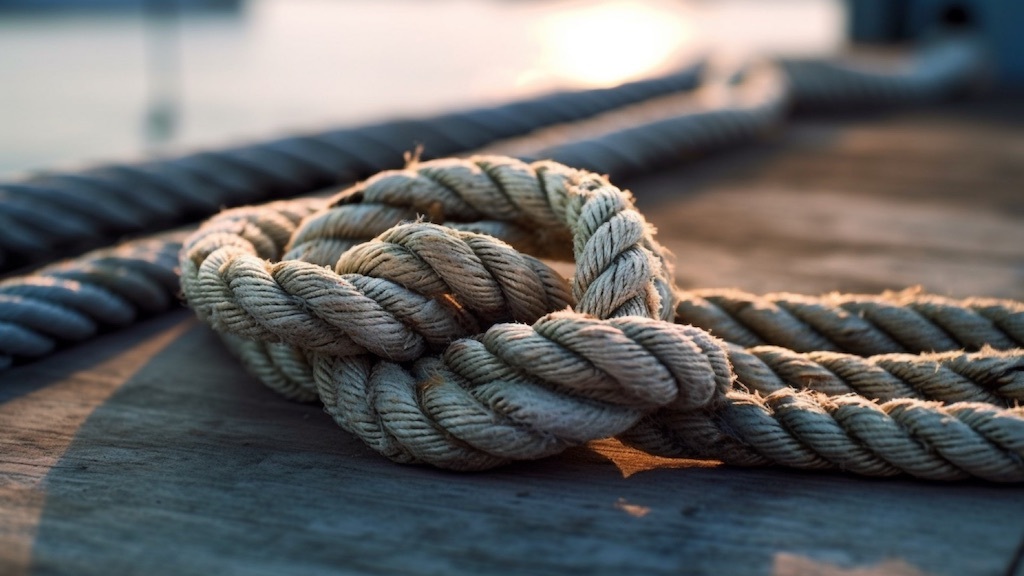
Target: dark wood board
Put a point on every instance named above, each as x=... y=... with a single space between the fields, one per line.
x=150 y=451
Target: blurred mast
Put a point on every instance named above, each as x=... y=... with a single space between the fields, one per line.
x=161 y=25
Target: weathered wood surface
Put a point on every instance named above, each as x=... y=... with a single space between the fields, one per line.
x=150 y=451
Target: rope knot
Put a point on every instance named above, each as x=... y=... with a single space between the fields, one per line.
x=409 y=306
x=627 y=361
x=439 y=343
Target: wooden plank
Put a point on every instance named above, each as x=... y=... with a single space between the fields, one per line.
x=41 y=409
x=930 y=198
x=151 y=451
x=763 y=238
x=206 y=471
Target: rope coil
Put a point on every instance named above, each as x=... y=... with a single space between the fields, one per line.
x=408 y=306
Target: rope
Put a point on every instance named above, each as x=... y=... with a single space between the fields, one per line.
x=435 y=343
x=907 y=321
x=942 y=69
x=735 y=105
x=731 y=106
x=105 y=289
x=56 y=214
x=73 y=301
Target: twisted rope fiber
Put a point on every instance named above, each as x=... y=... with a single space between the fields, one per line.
x=68 y=302
x=942 y=69
x=729 y=107
x=442 y=345
x=735 y=106
x=55 y=214
x=231 y=287
x=906 y=321
x=104 y=289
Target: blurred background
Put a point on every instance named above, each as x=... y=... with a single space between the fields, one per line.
x=87 y=81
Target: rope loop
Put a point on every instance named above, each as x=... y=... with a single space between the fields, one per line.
x=444 y=345
x=417 y=307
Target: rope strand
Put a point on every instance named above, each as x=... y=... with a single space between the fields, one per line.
x=906 y=321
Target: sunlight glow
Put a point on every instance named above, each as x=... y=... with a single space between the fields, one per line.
x=606 y=44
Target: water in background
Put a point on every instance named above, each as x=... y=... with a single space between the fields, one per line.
x=86 y=87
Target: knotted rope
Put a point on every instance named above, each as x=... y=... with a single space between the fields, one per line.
x=56 y=212
x=408 y=306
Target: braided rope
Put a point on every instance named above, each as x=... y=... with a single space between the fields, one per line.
x=104 y=289
x=990 y=376
x=409 y=293
x=442 y=345
x=741 y=105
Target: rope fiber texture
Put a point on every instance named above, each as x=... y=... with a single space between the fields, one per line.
x=414 y=306
x=74 y=300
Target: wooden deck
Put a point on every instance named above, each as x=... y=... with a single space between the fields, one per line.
x=150 y=451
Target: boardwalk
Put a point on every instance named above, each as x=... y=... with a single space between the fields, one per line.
x=150 y=451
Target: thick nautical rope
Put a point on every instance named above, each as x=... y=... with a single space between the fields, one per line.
x=727 y=109
x=58 y=213
x=445 y=345
x=55 y=214
x=906 y=321
x=23 y=323
x=627 y=140
x=417 y=289
x=73 y=301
